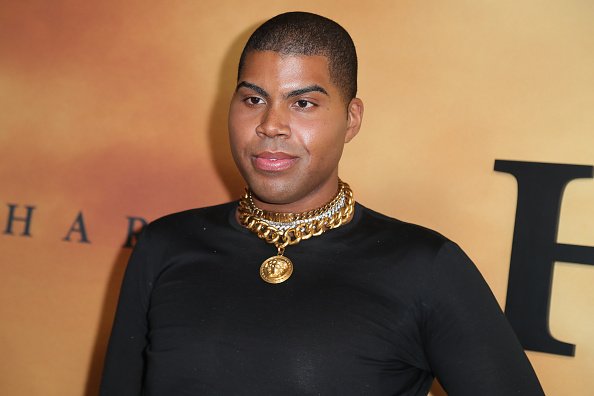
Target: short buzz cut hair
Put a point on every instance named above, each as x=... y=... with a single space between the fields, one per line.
x=304 y=33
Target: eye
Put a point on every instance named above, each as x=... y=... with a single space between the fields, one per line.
x=254 y=100
x=304 y=104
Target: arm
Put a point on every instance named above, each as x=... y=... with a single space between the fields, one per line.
x=471 y=347
x=124 y=362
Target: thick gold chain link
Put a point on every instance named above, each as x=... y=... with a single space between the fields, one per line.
x=257 y=221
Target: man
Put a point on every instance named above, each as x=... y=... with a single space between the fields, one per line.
x=296 y=289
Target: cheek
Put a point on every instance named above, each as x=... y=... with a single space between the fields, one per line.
x=323 y=136
x=240 y=128
x=324 y=150
x=237 y=143
x=240 y=115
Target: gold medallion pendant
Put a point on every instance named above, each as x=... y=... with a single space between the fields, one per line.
x=276 y=269
x=283 y=229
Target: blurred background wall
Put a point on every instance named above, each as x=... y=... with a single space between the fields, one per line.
x=114 y=111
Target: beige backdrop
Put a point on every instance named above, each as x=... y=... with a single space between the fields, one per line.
x=119 y=109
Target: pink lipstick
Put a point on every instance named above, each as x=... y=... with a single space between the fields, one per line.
x=274 y=162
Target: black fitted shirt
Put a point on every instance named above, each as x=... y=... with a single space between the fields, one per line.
x=375 y=307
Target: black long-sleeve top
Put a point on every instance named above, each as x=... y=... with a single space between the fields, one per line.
x=375 y=307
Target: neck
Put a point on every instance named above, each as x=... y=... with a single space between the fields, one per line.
x=272 y=225
x=311 y=201
x=341 y=204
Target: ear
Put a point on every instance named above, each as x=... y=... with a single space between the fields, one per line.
x=354 y=118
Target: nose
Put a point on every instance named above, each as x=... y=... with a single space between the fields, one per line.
x=274 y=123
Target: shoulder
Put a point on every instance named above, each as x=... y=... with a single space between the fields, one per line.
x=209 y=214
x=411 y=260
x=180 y=232
x=414 y=248
x=188 y=222
x=400 y=234
x=439 y=262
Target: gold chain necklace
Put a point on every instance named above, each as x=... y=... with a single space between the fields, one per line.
x=283 y=229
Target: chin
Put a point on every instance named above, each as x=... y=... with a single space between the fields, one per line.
x=274 y=191
x=277 y=196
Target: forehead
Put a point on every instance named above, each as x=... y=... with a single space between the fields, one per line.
x=276 y=69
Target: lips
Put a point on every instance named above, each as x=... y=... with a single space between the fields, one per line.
x=274 y=162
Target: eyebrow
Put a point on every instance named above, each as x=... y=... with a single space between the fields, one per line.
x=253 y=87
x=297 y=92
x=311 y=88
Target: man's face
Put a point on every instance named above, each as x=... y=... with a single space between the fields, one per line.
x=288 y=124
